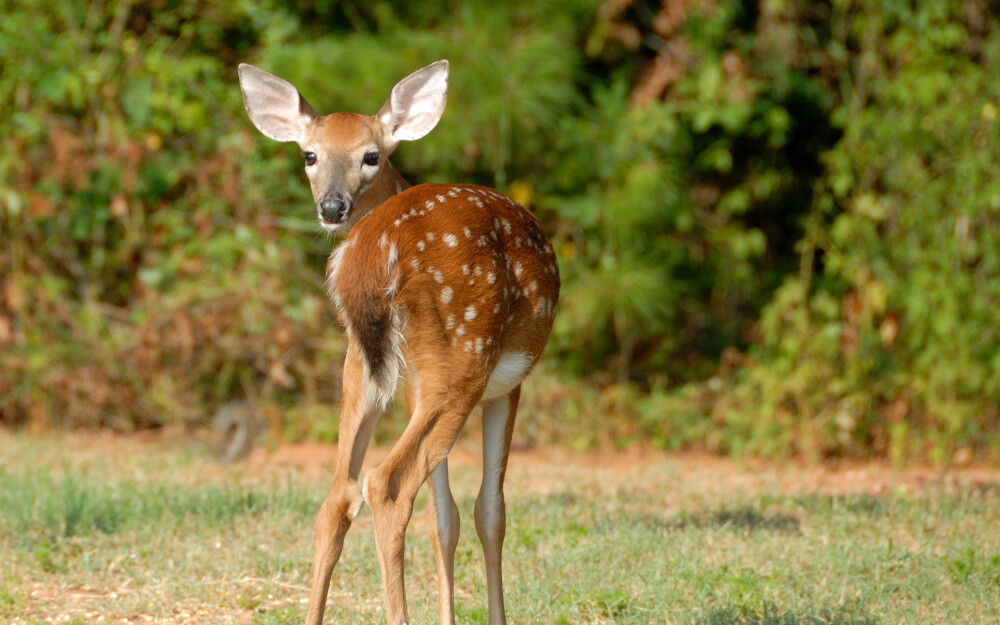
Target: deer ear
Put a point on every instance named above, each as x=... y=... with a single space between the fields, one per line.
x=416 y=103
x=275 y=106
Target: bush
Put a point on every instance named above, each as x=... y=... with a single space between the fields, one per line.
x=776 y=221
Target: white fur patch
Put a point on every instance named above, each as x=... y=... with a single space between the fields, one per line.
x=335 y=261
x=359 y=503
x=379 y=393
x=508 y=373
x=392 y=258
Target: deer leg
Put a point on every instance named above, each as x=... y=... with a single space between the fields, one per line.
x=358 y=416
x=444 y=532
x=445 y=539
x=391 y=488
x=491 y=515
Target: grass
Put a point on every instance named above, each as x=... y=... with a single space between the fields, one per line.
x=113 y=530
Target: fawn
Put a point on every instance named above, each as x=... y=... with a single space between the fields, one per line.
x=452 y=286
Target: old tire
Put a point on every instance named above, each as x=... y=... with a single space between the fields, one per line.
x=235 y=427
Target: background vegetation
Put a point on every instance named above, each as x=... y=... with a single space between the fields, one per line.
x=777 y=221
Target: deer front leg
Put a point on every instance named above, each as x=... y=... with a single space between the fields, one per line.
x=343 y=503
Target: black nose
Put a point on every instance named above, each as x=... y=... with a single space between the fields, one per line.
x=332 y=210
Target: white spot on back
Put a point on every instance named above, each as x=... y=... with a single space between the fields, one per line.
x=470 y=313
x=451 y=240
x=491 y=278
x=446 y=295
x=421 y=246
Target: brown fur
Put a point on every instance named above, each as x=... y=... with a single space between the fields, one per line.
x=513 y=242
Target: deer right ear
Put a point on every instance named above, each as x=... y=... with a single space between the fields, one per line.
x=275 y=106
x=416 y=103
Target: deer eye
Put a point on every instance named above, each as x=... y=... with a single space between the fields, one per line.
x=371 y=158
x=310 y=158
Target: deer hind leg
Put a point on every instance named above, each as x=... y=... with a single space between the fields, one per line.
x=491 y=514
x=445 y=539
x=358 y=415
x=391 y=487
x=445 y=531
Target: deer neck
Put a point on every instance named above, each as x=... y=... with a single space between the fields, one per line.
x=388 y=183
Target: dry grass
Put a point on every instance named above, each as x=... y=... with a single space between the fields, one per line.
x=134 y=530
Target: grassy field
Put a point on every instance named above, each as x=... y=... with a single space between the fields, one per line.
x=131 y=530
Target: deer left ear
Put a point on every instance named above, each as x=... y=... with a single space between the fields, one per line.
x=275 y=106
x=416 y=103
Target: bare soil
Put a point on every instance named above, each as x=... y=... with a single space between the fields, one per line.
x=543 y=471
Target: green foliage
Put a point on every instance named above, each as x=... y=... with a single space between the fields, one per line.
x=891 y=346
x=775 y=221
x=146 y=277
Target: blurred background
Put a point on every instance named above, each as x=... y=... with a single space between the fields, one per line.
x=778 y=223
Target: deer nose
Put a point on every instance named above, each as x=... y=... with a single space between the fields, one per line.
x=332 y=210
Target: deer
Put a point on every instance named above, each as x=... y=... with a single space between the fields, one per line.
x=452 y=287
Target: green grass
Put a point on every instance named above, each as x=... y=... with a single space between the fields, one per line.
x=131 y=532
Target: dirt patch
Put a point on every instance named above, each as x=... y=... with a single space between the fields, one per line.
x=542 y=467
x=551 y=470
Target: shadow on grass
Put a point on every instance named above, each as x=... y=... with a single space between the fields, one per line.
x=770 y=615
x=745 y=519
